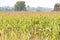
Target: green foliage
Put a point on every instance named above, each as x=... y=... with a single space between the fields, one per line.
x=57 y=7
x=46 y=28
x=20 y=6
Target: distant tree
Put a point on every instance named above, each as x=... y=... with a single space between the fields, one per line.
x=57 y=7
x=28 y=6
x=20 y=6
x=38 y=9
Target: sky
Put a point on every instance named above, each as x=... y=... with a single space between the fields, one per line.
x=31 y=3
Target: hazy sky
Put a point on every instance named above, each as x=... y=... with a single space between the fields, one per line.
x=32 y=3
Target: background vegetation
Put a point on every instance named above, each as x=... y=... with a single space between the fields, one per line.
x=20 y=6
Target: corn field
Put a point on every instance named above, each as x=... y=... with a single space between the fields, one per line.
x=29 y=25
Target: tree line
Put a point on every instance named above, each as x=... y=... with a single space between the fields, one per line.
x=21 y=6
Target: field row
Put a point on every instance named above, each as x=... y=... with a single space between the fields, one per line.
x=29 y=26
